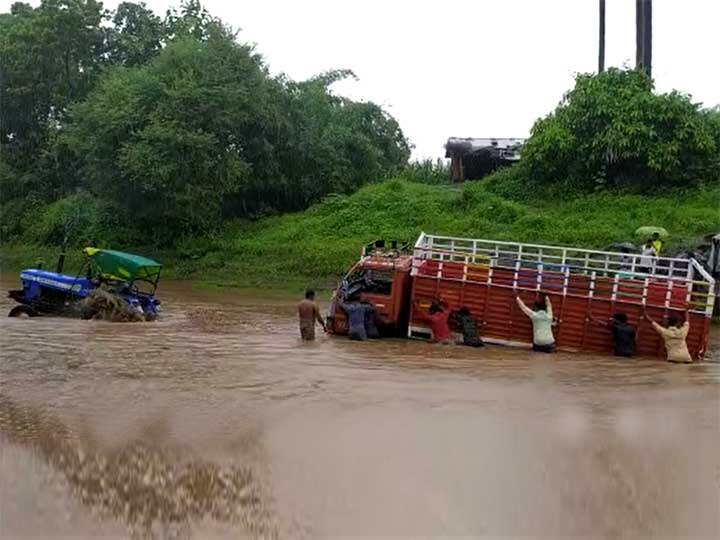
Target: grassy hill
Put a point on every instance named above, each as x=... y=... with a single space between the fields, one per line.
x=315 y=247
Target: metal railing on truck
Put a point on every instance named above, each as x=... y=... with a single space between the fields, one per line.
x=538 y=267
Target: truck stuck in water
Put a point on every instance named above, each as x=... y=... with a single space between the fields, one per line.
x=485 y=276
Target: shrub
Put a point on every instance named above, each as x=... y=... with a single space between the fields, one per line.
x=509 y=182
x=427 y=171
x=612 y=130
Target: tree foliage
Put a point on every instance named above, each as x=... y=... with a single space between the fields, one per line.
x=127 y=126
x=49 y=57
x=165 y=142
x=137 y=34
x=169 y=126
x=612 y=130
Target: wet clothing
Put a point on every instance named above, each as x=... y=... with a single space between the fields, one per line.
x=439 y=325
x=356 y=319
x=308 y=313
x=675 y=343
x=541 y=322
x=371 y=323
x=307 y=330
x=357 y=335
x=469 y=328
x=623 y=338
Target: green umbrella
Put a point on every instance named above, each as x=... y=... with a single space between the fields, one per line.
x=649 y=231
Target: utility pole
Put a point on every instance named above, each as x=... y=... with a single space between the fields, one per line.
x=643 y=36
x=601 y=45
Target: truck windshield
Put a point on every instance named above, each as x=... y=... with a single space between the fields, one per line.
x=367 y=280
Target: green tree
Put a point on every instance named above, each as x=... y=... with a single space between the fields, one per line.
x=165 y=128
x=613 y=130
x=333 y=144
x=49 y=57
x=137 y=34
x=161 y=140
x=192 y=20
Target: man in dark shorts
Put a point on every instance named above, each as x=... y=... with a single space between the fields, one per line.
x=308 y=313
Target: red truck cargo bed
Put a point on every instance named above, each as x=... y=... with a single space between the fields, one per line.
x=486 y=276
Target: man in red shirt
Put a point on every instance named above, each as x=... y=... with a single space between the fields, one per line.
x=437 y=317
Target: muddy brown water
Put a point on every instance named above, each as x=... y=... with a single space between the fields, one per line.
x=217 y=422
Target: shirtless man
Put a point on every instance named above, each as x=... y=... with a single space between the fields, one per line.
x=308 y=313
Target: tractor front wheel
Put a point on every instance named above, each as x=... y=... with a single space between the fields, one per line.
x=22 y=311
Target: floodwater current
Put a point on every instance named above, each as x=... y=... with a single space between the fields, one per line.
x=217 y=422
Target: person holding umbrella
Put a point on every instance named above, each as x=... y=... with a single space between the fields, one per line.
x=654 y=237
x=655 y=234
x=648 y=258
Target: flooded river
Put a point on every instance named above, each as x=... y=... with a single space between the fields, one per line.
x=217 y=422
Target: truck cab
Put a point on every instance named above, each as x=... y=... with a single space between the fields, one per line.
x=381 y=277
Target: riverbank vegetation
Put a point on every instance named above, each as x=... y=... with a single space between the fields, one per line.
x=318 y=245
x=170 y=137
x=315 y=247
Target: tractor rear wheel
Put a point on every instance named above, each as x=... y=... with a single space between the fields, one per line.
x=22 y=311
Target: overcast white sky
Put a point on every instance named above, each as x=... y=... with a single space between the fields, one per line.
x=474 y=68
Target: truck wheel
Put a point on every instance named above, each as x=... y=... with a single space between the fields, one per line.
x=22 y=311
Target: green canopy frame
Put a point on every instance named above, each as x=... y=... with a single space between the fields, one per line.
x=121 y=266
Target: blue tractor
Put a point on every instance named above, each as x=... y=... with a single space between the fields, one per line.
x=127 y=277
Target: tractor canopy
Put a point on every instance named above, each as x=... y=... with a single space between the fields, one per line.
x=117 y=265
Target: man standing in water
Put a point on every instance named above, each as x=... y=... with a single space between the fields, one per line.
x=308 y=313
x=357 y=313
x=542 y=322
x=372 y=320
x=623 y=334
x=468 y=326
x=674 y=337
x=437 y=317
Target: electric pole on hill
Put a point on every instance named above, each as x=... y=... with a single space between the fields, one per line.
x=601 y=49
x=643 y=36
